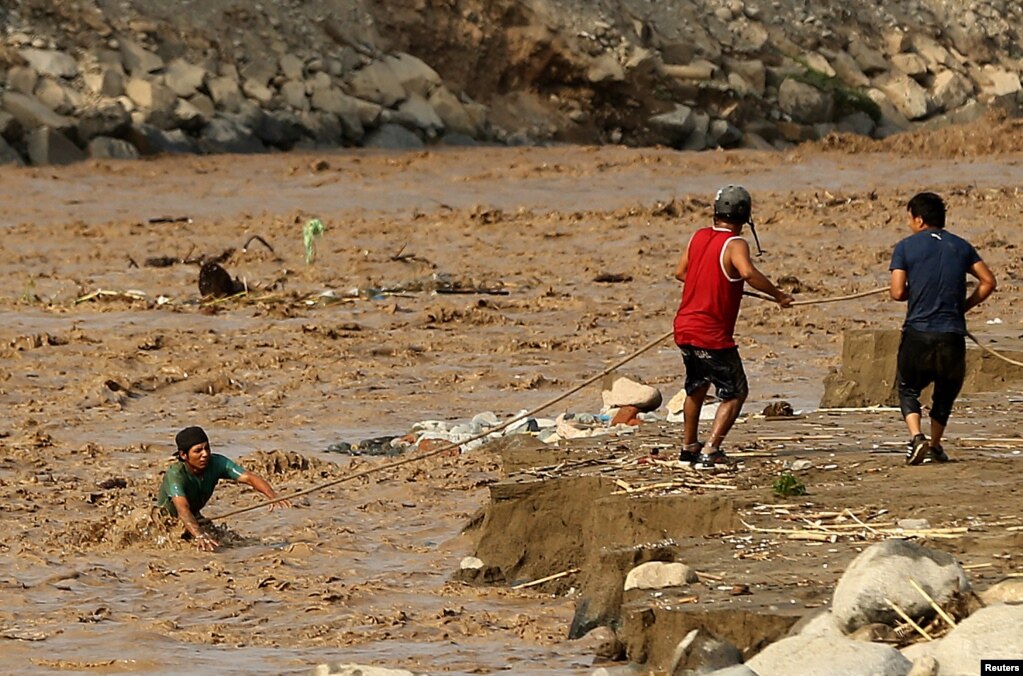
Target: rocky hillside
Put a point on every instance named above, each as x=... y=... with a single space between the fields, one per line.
x=102 y=78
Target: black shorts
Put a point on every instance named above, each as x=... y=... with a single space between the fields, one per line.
x=926 y=358
x=720 y=368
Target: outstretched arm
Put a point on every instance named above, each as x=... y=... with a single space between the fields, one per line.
x=203 y=541
x=260 y=484
x=986 y=286
x=739 y=258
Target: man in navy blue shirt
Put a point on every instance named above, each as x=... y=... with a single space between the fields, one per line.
x=929 y=270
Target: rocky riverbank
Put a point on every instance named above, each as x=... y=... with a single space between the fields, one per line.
x=105 y=80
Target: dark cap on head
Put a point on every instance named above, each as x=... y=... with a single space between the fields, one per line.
x=190 y=436
x=733 y=204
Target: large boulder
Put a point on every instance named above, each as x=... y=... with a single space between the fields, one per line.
x=108 y=119
x=701 y=653
x=138 y=60
x=31 y=113
x=992 y=633
x=906 y=94
x=950 y=90
x=883 y=571
x=618 y=391
x=393 y=137
x=107 y=82
x=660 y=575
x=415 y=76
x=805 y=103
x=452 y=113
x=229 y=135
x=334 y=101
x=828 y=656
x=378 y=83
x=225 y=93
x=153 y=141
x=49 y=146
x=420 y=115
x=8 y=155
x=184 y=78
x=104 y=147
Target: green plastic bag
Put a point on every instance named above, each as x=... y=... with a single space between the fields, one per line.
x=310 y=232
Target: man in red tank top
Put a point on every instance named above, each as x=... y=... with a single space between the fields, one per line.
x=713 y=270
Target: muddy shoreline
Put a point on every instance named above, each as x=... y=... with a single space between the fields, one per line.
x=363 y=573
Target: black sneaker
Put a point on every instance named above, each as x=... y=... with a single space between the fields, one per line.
x=716 y=458
x=938 y=454
x=691 y=453
x=918 y=449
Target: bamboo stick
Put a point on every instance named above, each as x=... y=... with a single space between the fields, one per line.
x=909 y=620
x=938 y=609
x=549 y=578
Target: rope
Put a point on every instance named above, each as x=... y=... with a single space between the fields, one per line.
x=991 y=352
x=453 y=445
x=547 y=404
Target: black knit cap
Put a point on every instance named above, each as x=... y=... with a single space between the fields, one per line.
x=190 y=436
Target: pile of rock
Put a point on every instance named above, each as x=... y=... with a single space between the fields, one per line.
x=61 y=106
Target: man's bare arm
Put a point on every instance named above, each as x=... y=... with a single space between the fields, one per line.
x=738 y=256
x=202 y=541
x=899 y=290
x=683 y=266
x=985 y=288
x=260 y=484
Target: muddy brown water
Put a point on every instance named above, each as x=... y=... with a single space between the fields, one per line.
x=360 y=573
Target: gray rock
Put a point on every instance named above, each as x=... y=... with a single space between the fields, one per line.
x=49 y=146
x=10 y=128
x=378 y=83
x=932 y=52
x=869 y=59
x=414 y=76
x=804 y=103
x=370 y=114
x=828 y=656
x=421 y=115
x=910 y=64
x=345 y=107
x=452 y=113
x=294 y=94
x=856 y=123
x=455 y=139
x=701 y=653
x=54 y=96
x=819 y=63
x=107 y=119
x=724 y=134
x=393 y=137
x=904 y=92
x=153 y=141
x=698 y=136
x=51 y=62
x=737 y=670
x=882 y=571
x=660 y=575
x=848 y=70
x=9 y=156
x=261 y=70
x=821 y=623
x=191 y=117
x=950 y=90
x=891 y=117
x=292 y=67
x=225 y=93
x=184 y=78
x=228 y=135
x=257 y=91
x=22 y=79
x=324 y=129
x=204 y=104
x=675 y=126
x=280 y=129
x=104 y=147
x=151 y=96
x=138 y=60
x=107 y=82
x=752 y=71
x=31 y=113
x=990 y=633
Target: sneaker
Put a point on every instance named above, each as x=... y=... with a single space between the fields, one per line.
x=918 y=449
x=938 y=454
x=691 y=453
x=716 y=458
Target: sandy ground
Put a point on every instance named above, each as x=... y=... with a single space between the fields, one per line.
x=96 y=390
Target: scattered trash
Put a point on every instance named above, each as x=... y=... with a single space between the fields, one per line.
x=778 y=409
x=310 y=232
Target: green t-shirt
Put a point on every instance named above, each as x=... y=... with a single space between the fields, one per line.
x=178 y=481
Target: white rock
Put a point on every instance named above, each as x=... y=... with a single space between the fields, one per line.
x=1006 y=591
x=908 y=96
x=378 y=83
x=990 y=633
x=950 y=90
x=828 y=656
x=925 y=666
x=486 y=419
x=414 y=75
x=910 y=64
x=677 y=403
x=820 y=64
x=359 y=670
x=51 y=62
x=422 y=114
x=183 y=78
x=700 y=653
x=882 y=571
x=1000 y=82
x=471 y=563
x=805 y=103
x=660 y=575
x=620 y=391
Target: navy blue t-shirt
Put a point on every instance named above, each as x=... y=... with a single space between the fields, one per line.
x=936 y=263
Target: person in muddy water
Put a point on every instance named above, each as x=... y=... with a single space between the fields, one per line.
x=188 y=484
x=929 y=270
x=713 y=270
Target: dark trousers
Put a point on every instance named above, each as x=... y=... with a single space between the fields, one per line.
x=926 y=358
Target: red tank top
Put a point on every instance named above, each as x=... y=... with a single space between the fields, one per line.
x=710 y=299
